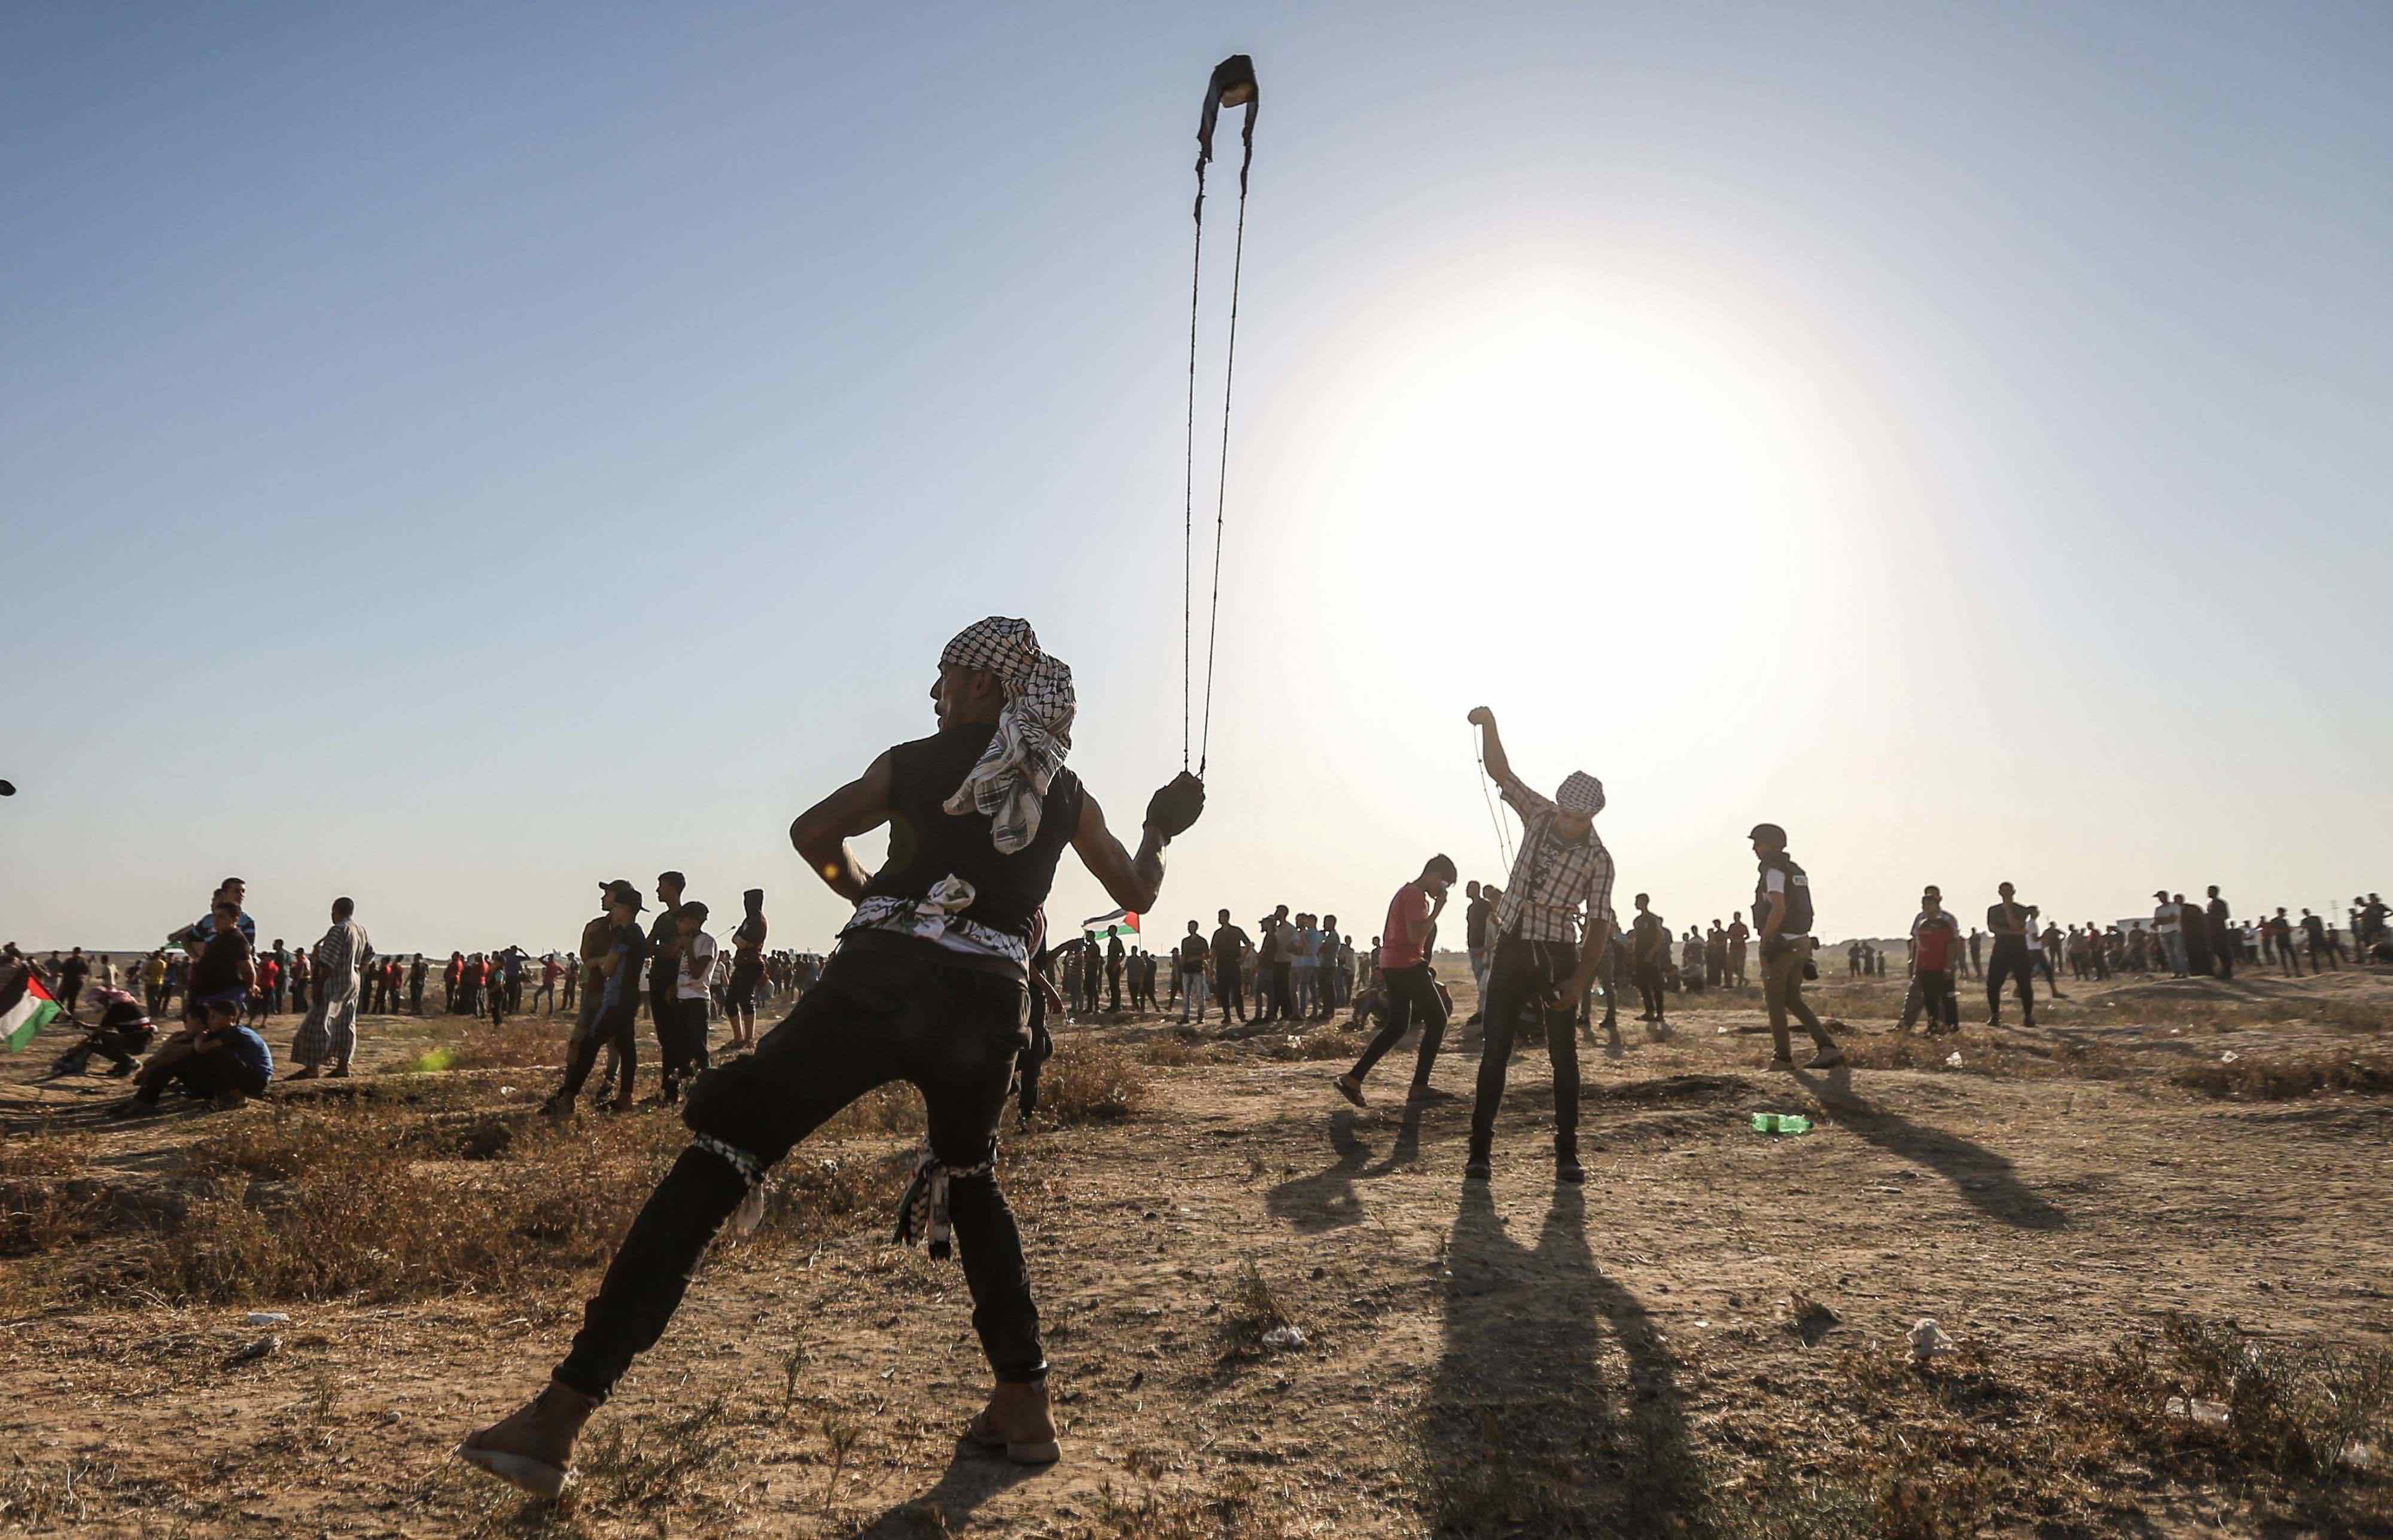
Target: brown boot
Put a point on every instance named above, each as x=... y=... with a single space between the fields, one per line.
x=1018 y=1420
x=533 y=1449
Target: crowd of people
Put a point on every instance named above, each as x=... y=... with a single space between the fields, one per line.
x=231 y=989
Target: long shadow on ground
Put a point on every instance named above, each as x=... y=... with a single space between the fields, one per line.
x=971 y=1479
x=1987 y=1181
x=1327 y=1199
x=1533 y=1426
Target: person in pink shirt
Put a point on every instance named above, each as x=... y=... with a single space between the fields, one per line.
x=1404 y=975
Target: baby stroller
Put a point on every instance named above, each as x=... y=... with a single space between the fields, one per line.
x=124 y=1032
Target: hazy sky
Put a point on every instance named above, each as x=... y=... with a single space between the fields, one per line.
x=457 y=453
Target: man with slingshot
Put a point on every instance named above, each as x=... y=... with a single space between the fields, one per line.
x=928 y=985
x=1541 y=963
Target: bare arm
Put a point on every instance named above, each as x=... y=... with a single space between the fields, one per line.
x=1132 y=880
x=1770 y=923
x=1491 y=746
x=822 y=832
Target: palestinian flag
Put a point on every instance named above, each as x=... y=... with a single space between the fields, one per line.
x=1119 y=922
x=30 y=1014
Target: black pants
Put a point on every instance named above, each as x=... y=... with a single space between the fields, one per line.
x=2043 y=965
x=681 y=1041
x=1524 y=973
x=2010 y=960
x=2223 y=949
x=1230 y=991
x=884 y=1010
x=1649 y=989
x=1410 y=993
x=1932 y=989
x=1113 y=986
x=118 y=1045
x=1283 y=991
x=620 y=1028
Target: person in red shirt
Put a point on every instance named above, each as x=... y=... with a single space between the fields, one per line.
x=450 y=977
x=1404 y=975
x=1935 y=954
x=269 y=977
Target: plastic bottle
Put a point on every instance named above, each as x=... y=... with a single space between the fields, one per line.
x=1774 y=1122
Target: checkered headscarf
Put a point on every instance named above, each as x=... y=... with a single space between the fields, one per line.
x=1034 y=732
x=1580 y=793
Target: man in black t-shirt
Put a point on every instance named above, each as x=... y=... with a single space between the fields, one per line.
x=2224 y=944
x=72 y=970
x=2008 y=921
x=1188 y=961
x=1230 y=948
x=747 y=971
x=612 y=949
x=928 y=986
x=664 y=952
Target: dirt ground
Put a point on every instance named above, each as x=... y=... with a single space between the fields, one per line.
x=1709 y=1339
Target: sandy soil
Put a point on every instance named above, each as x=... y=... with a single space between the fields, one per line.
x=1633 y=1343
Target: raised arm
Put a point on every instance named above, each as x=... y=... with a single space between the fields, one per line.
x=1491 y=746
x=822 y=832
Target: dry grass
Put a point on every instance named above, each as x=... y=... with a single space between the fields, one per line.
x=1252 y=1311
x=1239 y=1510
x=1093 y=1082
x=1336 y=1041
x=1989 y=1053
x=526 y=1041
x=1975 y=1443
x=379 y=1202
x=44 y=1155
x=2283 y=1077
x=49 y=1497
x=1173 y=1049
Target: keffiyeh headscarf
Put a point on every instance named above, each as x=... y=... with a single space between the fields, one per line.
x=1580 y=793
x=1034 y=732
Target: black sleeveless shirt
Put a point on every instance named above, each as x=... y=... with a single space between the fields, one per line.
x=927 y=842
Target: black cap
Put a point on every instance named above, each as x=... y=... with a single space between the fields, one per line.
x=620 y=891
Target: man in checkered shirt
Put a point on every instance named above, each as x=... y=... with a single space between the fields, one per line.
x=1541 y=962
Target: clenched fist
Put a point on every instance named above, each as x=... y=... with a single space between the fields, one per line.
x=1176 y=806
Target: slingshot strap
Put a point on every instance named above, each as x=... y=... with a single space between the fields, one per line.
x=1232 y=83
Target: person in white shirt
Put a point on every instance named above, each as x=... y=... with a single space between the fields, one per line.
x=682 y=1043
x=2166 y=919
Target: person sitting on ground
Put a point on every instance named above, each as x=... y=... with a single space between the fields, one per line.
x=214 y=1055
x=214 y=1060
